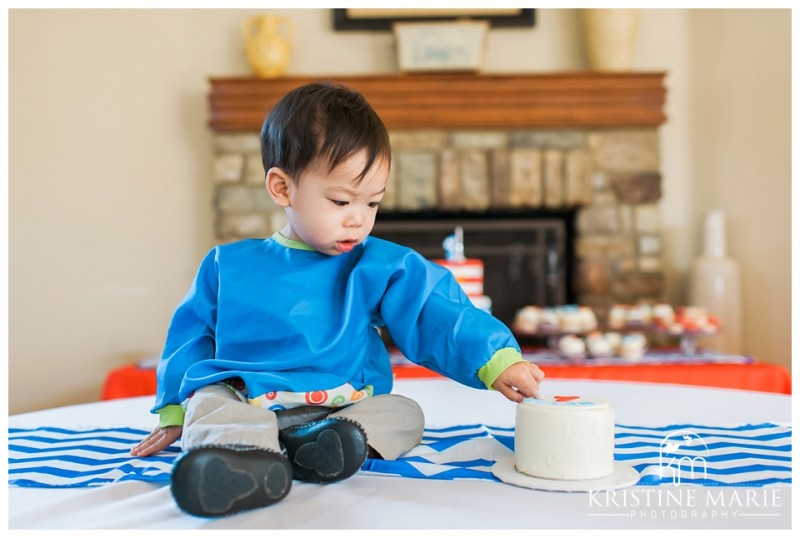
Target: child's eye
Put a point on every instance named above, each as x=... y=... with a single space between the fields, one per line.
x=339 y=203
x=374 y=205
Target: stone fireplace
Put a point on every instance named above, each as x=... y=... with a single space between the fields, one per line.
x=584 y=147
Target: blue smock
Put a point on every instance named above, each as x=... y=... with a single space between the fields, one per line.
x=283 y=317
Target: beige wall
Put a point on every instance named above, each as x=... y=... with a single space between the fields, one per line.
x=109 y=164
x=741 y=159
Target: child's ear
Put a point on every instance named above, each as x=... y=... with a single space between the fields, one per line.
x=278 y=184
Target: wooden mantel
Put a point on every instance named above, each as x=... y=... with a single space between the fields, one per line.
x=465 y=101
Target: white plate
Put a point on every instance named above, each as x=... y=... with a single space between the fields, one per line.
x=621 y=477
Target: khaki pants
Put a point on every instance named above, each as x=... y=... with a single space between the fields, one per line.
x=216 y=415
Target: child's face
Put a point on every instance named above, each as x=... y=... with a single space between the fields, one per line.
x=330 y=211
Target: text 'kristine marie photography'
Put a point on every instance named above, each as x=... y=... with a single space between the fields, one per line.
x=686 y=503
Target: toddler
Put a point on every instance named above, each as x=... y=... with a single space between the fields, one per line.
x=274 y=368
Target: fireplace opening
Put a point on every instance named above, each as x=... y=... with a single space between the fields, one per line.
x=528 y=255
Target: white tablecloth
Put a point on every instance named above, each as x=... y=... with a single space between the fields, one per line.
x=377 y=502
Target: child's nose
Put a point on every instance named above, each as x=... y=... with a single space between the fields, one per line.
x=354 y=219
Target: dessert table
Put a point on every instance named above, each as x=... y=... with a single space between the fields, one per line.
x=367 y=501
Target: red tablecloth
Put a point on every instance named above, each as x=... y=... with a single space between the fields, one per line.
x=134 y=380
x=759 y=377
x=129 y=381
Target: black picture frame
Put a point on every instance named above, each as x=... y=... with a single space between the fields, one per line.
x=342 y=21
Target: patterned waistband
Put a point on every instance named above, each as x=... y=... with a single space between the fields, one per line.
x=280 y=400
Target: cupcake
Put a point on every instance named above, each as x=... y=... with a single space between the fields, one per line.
x=614 y=340
x=639 y=314
x=663 y=314
x=549 y=320
x=598 y=345
x=696 y=319
x=571 y=346
x=569 y=319
x=632 y=346
x=617 y=316
x=588 y=321
x=527 y=319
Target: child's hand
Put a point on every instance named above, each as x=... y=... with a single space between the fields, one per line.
x=158 y=440
x=519 y=381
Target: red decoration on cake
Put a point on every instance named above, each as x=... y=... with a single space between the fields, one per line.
x=561 y=399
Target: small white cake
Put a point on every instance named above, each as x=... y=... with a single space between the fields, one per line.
x=564 y=438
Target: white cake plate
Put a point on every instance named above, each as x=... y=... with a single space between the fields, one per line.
x=621 y=477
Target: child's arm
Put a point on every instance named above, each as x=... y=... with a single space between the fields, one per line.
x=434 y=324
x=191 y=335
x=158 y=440
x=519 y=381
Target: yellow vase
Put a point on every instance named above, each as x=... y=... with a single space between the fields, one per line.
x=267 y=43
x=610 y=37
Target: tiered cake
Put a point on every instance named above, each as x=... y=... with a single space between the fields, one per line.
x=467 y=271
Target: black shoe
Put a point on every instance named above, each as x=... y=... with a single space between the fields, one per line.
x=326 y=450
x=302 y=414
x=222 y=480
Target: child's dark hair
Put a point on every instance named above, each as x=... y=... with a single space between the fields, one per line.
x=322 y=120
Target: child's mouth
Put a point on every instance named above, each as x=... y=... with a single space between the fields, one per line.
x=345 y=246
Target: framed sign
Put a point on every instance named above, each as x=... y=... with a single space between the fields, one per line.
x=440 y=46
x=382 y=19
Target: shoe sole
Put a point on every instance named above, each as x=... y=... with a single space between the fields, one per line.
x=218 y=481
x=325 y=451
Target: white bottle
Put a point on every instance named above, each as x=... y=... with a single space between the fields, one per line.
x=716 y=285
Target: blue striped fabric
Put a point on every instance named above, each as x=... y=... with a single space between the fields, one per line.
x=62 y=458
x=748 y=455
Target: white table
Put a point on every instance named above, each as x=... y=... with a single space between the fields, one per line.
x=377 y=502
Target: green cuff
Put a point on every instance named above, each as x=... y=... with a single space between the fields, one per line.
x=170 y=415
x=502 y=359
